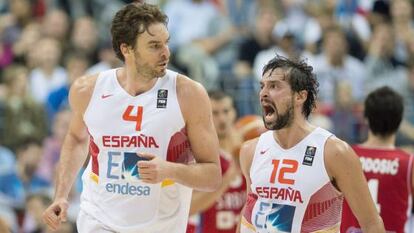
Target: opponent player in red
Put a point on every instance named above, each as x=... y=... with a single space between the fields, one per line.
x=388 y=169
x=218 y=212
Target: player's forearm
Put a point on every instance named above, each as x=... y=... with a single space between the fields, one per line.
x=201 y=176
x=375 y=226
x=71 y=159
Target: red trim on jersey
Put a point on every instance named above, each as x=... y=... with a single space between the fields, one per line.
x=248 y=209
x=94 y=152
x=179 y=150
x=323 y=210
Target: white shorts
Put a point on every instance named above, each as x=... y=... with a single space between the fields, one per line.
x=87 y=224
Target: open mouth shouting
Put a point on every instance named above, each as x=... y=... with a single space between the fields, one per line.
x=269 y=111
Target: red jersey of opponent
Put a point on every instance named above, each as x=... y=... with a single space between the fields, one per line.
x=388 y=173
x=223 y=217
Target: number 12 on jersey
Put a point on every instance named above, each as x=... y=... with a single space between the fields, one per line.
x=288 y=166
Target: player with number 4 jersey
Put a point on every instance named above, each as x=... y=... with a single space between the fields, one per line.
x=387 y=169
x=146 y=125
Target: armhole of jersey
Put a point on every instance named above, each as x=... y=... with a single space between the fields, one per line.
x=324 y=163
x=256 y=150
x=92 y=96
x=175 y=77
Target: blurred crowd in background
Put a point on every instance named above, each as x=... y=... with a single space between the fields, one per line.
x=354 y=47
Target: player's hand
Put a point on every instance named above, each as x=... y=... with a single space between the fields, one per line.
x=56 y=213
x=154 y=170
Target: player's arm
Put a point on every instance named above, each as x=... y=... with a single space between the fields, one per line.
x=73 y=153
x=205 y=175
x=195 y=106
x=246 y=158
x=344 y=168
x=201 y=201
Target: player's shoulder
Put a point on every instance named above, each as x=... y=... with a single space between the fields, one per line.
x=336 y=146
x=247 y=149
x=188 y=87
x=246 y=155
x=81 y=91
x=338 y=154
x=84 y=84
x=250 y=144
x=192 y=96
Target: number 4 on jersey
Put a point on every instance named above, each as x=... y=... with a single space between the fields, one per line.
x=128 y=116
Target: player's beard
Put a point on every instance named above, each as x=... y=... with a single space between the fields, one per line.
x=153 y=71
x=282 y=119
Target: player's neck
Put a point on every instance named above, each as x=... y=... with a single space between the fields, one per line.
x=134 y=83
x=290 y=136
x=375 y=141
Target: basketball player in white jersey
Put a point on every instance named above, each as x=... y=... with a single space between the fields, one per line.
x=144 y=124
x=297 y=174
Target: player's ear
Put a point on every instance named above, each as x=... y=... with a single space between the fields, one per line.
x=125 y=49
x=301 y=96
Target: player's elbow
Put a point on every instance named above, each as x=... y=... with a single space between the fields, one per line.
x=215 y=178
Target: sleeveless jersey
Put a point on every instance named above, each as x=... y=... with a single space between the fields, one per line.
x=388 y=172
x=121 y=127
x=291 y=190
x=224 y=215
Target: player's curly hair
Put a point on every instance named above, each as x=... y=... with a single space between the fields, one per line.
x=299 y=76
x=131 y=21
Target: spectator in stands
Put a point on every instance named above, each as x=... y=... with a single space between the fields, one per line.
x=52 y=145
x=7 y=160
x=76 y=64
x=347 y=115
x=260 y=38
x=84 y=37
x=11 y=26
x=23 y=117
x=405 y=137
x=107 y=59
x=403 y=25
x=47 y=74
x=383 y=68
x=24 y=46
x=35 y=205
x=198 y=33
x=55 y=25
x=335 y=65
x=16 y=185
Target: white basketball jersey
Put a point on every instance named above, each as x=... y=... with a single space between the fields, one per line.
x=121 y=127
x=291 y=190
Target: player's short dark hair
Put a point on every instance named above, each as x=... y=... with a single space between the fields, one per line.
x=218 y=95
x=131 y=21
x=299 y=76
x=384 y=111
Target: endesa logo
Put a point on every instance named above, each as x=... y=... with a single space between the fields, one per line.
x=122 y=166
